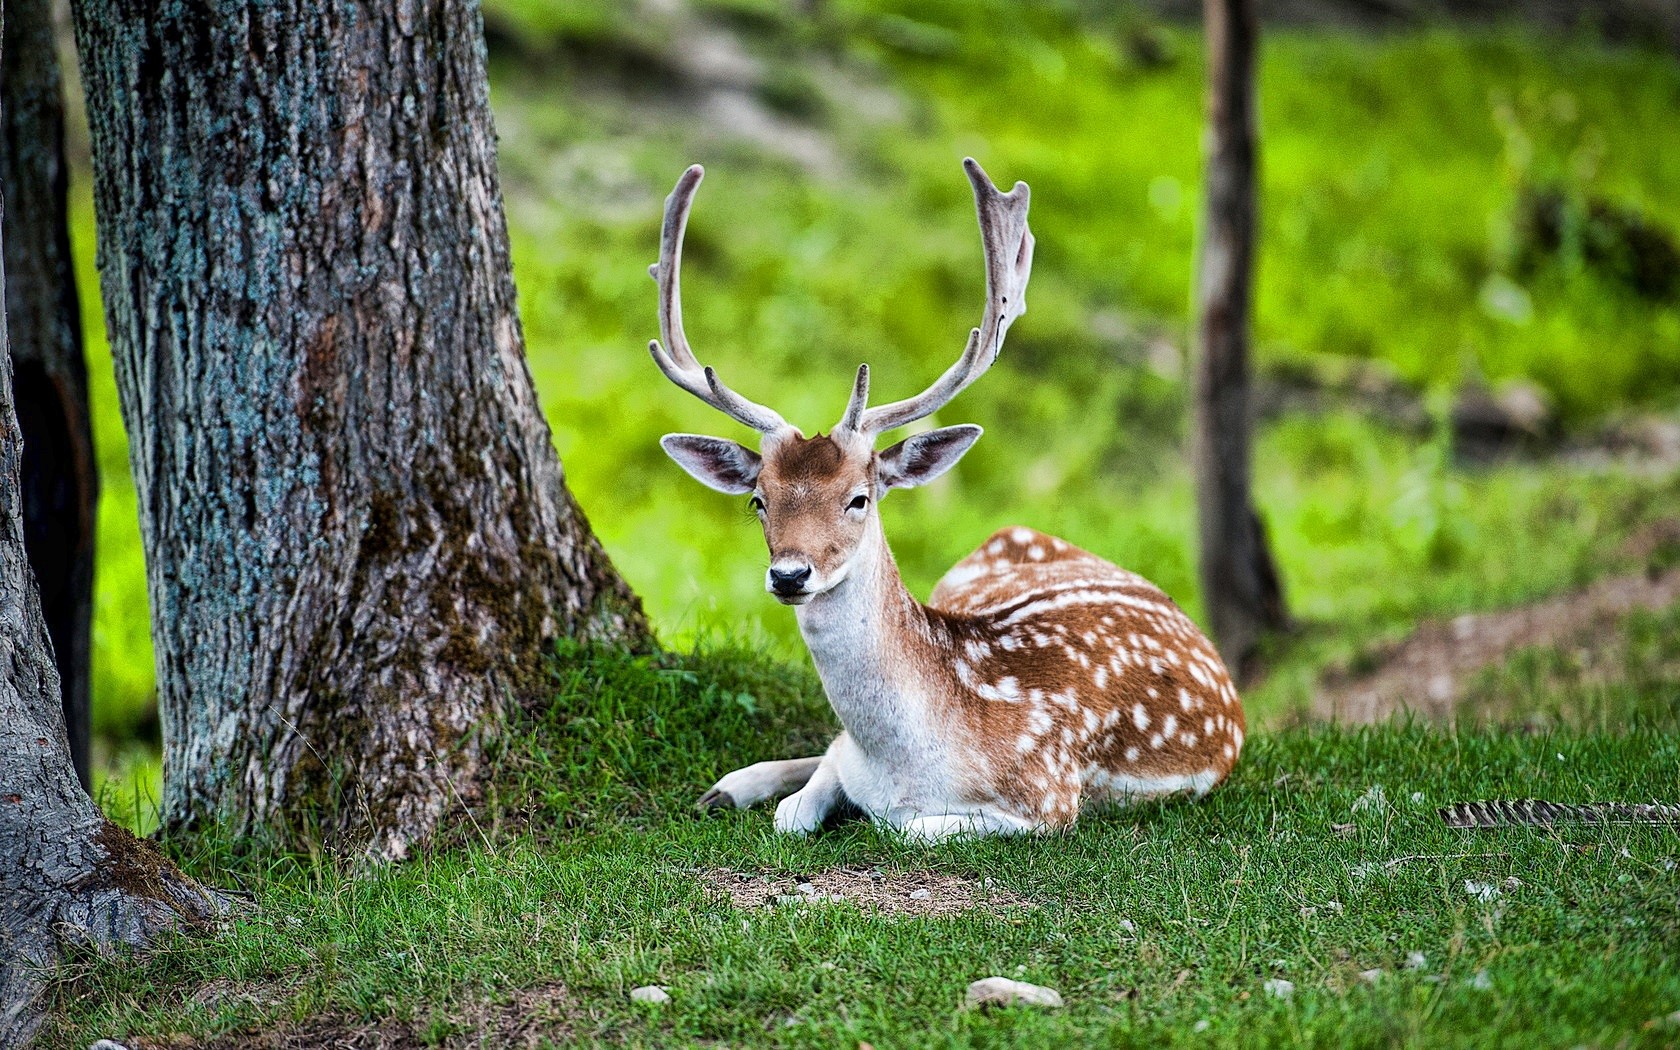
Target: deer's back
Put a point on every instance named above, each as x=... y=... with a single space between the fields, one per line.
x=1079 y=677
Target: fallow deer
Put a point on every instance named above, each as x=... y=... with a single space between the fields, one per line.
x=1038 y=676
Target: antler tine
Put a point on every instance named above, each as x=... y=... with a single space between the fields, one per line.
x=1008 y=246
x=853 y=419
x=678 y=362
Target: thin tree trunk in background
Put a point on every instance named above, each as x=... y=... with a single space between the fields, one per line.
x=358 y=538
x=70 y=877
x=1239 y=580
x=60 y=474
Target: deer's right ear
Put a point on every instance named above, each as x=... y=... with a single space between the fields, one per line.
x=714 y=462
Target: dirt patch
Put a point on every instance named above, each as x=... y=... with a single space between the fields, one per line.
x=871 y=889
x=546 y=1014
x=1428 y=671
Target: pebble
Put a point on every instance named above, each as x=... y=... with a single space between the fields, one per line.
x=1201 y=1026
x=1278 y=988
x=1482 y=891
x=1001 y=991
x=921 y=895
x=649 y=993
x=107 y=1044
x=1371 y=976
x=1416 y=960
x=1127 y=926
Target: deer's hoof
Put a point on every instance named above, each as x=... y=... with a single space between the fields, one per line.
x=715 y=799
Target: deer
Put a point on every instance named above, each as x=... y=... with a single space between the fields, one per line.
x=1038 y=677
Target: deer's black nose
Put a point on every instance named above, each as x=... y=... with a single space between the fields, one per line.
x=788 y=582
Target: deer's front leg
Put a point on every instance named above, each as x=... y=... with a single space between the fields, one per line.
x=753 y=784
x=805 y=810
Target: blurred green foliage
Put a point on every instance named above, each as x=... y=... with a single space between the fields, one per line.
x=1394 y=168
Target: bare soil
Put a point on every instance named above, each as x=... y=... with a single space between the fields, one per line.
x=1429 y=671
x=871 y=889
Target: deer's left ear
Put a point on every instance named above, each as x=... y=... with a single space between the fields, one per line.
x=920 y=458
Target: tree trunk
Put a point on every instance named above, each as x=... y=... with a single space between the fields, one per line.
x=60 y=475
x=1240 y=583
x=358 y=537
x=70 y=876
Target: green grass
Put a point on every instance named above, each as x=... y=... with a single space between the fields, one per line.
x=583 y=871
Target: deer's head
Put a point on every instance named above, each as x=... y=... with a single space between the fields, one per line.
x=816 y=496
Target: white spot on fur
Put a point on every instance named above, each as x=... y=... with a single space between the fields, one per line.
x=1140 y=716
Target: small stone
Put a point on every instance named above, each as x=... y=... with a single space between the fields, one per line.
x=1416 y=960
x=1201 y=1026
x=1482 y=891
x=805 y=888
x=1372 y=976
x=1127 y=926
x=107 y=1044
x=1001 y=991
x=1278 y=988
x=649 y=993
x=921 y=895
x=1481 y=981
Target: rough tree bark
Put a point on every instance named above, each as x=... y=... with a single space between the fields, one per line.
x=1239 y=580
x=69 y=875
x=60 y=475
x=358 y=537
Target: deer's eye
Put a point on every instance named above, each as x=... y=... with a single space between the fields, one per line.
x=858 y=503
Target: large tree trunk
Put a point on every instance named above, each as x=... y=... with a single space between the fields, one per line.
x=358 y=538
x=1239 y=580
x=60 y=475
x=69 y=876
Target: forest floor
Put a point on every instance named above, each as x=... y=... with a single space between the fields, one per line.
x=1316 y=898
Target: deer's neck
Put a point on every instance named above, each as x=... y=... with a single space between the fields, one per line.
x=874 y=649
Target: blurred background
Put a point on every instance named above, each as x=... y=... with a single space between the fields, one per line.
x=1467 y=314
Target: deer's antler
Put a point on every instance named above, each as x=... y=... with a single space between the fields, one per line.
x=1008 y=245
x=678 y=363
